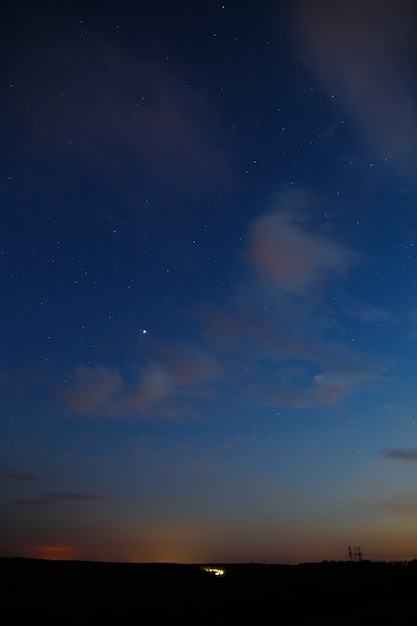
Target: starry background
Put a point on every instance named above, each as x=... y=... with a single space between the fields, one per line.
x=208 y=280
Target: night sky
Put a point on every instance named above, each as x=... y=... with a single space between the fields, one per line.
x=208 y=253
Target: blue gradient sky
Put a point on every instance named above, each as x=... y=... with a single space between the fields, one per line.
x=208 y=268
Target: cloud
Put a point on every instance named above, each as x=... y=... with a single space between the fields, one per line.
x=174 y=375
x=71 y=495
x=31 y=502
x=189 y=365
x=91 y=389
x=285 y=333
x=277 y=321
x=155 y=385
x=21 y=476
x=286 y=359
x=57 y=496
x=364 y=50
x=400 y=454
x=323 y=390
x=400 y=503
x=293 y=258
x=141 y=114
x=271 y=333
x=365 y=312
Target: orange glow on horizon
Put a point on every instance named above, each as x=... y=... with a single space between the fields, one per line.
x=54 y=553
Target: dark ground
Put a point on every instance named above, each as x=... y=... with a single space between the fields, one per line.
x=76 y=592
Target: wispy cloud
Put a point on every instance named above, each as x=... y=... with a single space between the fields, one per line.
x=400 y=454
x=364 y=51
x=365 y=311
x=175 y=373
x=323 y=390
x=21 y=477
x=72 y=495
x=142 y=113
x=401 y=504
x=273 y=327
x=57 y=496
x=31 y=502
x=91 y=389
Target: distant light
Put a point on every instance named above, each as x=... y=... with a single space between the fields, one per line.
x=216 y=571
x=144 y=331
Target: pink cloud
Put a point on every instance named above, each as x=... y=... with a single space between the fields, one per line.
x=102 y=391
x=364 y=51
x=291 y=257
x=139 y=112
x=189 y=365
x=92 y=389
x=163 y=388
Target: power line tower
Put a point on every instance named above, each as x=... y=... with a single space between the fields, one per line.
x=355 y=554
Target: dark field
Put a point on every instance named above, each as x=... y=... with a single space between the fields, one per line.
x=93 y=593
